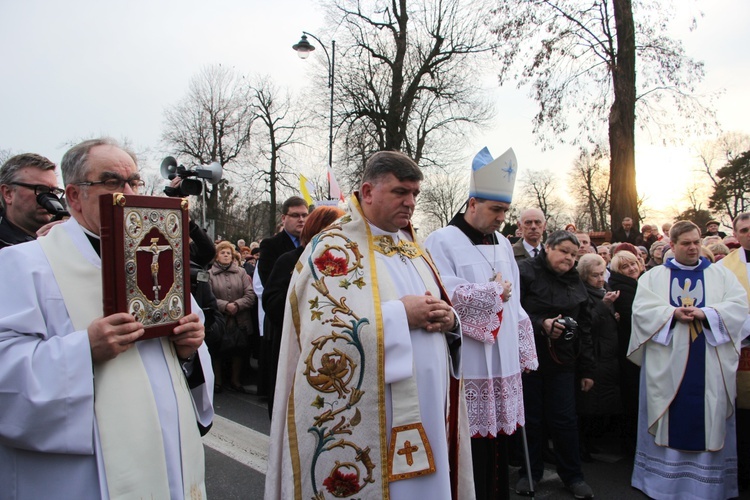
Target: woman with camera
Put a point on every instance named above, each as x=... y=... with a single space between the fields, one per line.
x=556 y=300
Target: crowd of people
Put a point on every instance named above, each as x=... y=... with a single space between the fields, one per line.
x=392 y=367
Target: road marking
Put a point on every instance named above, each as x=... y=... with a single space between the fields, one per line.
x=245 y=445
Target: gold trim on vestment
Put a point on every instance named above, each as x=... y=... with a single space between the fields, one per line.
x=294 y=303
x=293 y=447
x=381 y=350
x=385 y=245
x=425 y=443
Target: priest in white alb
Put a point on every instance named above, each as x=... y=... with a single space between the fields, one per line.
x=687 y=319
x=367 y=401
x=478 y=269
x=85 y=410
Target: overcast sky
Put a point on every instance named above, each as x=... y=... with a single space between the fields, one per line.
x=77 y=68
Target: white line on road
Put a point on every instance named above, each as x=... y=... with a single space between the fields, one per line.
x=238 y=442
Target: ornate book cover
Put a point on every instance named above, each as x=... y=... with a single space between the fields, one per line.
x=145 y=259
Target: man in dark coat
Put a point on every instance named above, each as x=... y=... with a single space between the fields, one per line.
x=626 y=233
x=293 y=216
x=533 y=224
x=712 y=229
x=22 y=178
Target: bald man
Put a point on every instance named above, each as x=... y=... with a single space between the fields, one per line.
x=533 y=223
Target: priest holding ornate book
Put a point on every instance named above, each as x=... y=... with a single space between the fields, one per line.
x=88 y=410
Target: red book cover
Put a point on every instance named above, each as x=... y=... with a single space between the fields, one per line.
x=145 y=259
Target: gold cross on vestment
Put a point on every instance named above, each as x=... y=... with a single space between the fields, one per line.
x=384 y=244
x=407 y=450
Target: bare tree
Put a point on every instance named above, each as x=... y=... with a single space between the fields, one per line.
x=589 y=180
x=276 y=135
x=154 y=183
x=404 y=82
x=538 y=190
x=580 y=59
x=443 y=194
x=4 y=155
x=212 y=123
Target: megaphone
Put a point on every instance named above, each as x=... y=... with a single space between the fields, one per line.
x=170 y=169
x=212 y=172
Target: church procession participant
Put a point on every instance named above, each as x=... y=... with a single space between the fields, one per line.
x=687 y=319
x=533 y=225
x=369 y=355
x=22 y=179
x=555 y=298
x=737 y=262
x=87 y=412
x=478 y=269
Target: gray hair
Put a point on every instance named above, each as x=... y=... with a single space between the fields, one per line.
x=383 y=163
x=587 y=263
x=9 y=170
x=73 y=164
x=561 y=236
x=740 y=218
x=719 y=248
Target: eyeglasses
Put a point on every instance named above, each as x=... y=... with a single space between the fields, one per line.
x=40 y=188
x=115 y=183
x=297 y=216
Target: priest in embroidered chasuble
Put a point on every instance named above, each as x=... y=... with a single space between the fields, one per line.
x=368 y=400
x=687 y=319
x=479 y=271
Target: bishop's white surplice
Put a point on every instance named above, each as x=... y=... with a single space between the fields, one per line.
x=498 y=337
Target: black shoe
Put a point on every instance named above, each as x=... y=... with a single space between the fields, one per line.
x=239 y=388
x=580 y=490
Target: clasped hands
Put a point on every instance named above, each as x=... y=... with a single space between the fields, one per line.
x=688 y=314
x=428 y=312
x=112 y=335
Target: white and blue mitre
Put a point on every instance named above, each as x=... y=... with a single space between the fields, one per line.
x=493 y=179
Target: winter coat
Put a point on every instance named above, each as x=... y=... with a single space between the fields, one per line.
x=624 y=307
x=545 y=294
x=604 y=397
x=233 y=285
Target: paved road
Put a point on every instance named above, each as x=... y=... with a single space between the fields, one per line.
x=237 y=449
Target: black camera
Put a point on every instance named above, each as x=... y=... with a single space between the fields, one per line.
x=170 y=169
x=52 y=204
x=569 y=327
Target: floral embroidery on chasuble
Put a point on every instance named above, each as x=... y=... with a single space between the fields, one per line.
x=336 y=421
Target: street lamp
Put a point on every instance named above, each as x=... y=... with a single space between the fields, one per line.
x=303 y=48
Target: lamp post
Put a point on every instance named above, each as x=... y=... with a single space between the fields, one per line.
x=303 y=48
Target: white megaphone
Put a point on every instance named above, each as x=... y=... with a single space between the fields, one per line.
x=170 y=169
x=211 y=172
